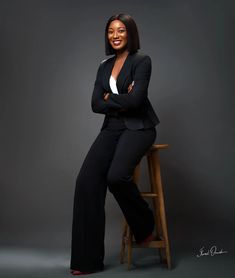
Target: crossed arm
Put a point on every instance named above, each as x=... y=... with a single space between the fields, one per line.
x=105 y=102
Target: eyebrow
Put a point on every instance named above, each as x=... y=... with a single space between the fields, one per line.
x=117 y=28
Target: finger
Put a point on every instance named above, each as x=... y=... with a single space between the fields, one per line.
x=129 y=88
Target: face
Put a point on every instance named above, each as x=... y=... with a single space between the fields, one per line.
x=117 y=35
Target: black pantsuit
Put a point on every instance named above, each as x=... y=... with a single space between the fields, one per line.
x=110 y=162
x=123 y=140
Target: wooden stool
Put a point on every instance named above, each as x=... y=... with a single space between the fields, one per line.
x=161 y=240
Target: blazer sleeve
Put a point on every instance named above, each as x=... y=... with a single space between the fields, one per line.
x=139 y=92
x=98 y=104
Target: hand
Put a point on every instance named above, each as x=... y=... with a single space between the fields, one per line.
x=106 y=95
x=130 y=86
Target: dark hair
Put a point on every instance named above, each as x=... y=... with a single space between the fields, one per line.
x=133 y=43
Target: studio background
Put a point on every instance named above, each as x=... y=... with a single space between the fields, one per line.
x=50 y=52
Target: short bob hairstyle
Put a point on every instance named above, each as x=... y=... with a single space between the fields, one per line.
x=133 y=43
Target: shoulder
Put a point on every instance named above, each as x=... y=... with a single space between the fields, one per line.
x=104 y=62
x=140 y=57
x=107 y=60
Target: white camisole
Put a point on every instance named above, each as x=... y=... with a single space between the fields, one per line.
x=113 y=85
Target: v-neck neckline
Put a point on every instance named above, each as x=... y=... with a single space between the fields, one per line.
x=114 y=59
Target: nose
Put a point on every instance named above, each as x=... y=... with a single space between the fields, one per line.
x=115 y=34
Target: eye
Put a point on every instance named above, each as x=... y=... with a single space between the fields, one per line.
x=122 y=30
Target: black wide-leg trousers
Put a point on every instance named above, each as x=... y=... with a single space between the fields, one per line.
x=110 y=162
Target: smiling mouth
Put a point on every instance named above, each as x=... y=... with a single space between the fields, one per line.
x=116 y=42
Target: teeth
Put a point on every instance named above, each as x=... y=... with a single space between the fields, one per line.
x=117 y=42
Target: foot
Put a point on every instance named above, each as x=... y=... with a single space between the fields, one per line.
x=78 y=272
x=147 y=239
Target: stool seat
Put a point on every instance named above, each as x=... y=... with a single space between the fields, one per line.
x=159 y=147
x=161 y=240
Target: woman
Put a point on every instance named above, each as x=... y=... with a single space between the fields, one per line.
x=128 y=131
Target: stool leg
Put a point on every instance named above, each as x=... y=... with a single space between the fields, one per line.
x=153 y=189
x=129 y=254
x=136 y=175
x=124 y=237
x=127 y=234
x=158 y=183
x=150 y=158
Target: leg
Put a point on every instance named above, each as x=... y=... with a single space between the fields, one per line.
x=88 y=228
x=131 y=147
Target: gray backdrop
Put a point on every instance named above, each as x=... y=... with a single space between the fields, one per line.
x=50 y=52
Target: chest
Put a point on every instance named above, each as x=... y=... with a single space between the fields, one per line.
x=117 y=68
x=117 y=79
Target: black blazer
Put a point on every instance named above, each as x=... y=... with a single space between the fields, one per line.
x=134 y=107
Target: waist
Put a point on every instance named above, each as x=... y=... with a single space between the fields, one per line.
x=114 y=114
x=115 y=121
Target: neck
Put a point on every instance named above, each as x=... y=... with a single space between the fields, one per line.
x=122 y=53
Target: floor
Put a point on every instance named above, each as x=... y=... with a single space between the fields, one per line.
x=43 y=263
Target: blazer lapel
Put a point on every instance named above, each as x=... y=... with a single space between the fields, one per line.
x=107 y=73
x=123 y=74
